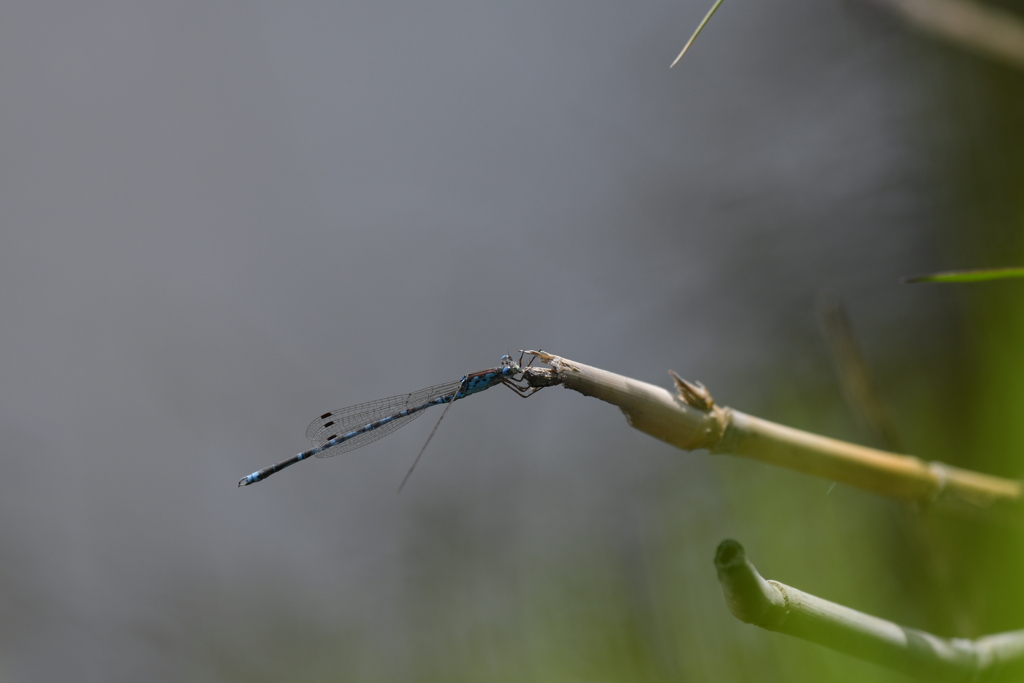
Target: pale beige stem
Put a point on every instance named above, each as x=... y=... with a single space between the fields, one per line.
x=978 y=27
x=690 y=420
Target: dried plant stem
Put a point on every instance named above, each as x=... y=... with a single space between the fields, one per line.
x=983 y=28
x=690 y=420
x=778 y=607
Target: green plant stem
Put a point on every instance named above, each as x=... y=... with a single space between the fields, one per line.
x=777 y=607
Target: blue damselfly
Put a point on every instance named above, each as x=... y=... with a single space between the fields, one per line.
x=347 y=429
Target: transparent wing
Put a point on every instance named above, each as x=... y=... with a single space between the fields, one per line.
x=344 y=420
x=366 y=437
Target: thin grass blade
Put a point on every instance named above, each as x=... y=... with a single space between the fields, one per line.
x=981 y=275
x=697 y=32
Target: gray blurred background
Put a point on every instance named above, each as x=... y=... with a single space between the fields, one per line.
x=219 y=221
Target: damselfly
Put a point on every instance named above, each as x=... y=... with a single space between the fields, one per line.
x=347 y=429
